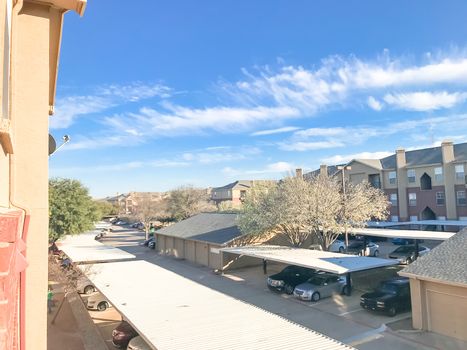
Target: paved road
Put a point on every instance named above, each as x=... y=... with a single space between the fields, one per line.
x=340 y=317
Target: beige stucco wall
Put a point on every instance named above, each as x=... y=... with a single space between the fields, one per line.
x=439 y=308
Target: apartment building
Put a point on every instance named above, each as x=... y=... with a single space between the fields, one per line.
x=127 y=203
x=423 y=184
x=30 y=39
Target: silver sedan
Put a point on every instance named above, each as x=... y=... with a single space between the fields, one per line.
x=321 y=286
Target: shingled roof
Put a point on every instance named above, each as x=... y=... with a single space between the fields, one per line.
x=218 y=228
x=445 y=263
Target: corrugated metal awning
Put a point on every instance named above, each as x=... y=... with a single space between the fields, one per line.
x=83 y=248
x=315 y=259
x=460 y=223
x=176 y=313
x=412 y=234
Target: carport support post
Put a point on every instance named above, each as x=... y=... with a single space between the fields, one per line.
x=265 y=266
x=416 y=249
x=364 y=245
x=348 y=282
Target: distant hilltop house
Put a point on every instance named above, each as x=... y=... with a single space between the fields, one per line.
x=234 y=192
x=423 y=184
x=128 y=202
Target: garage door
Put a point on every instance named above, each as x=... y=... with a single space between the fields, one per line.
x=178 y=251
x=169 y=245
x=190 y=251
x=202 y=253
x=447 y=314
x=214 y=257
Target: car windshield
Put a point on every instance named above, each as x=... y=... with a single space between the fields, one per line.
x=387 y=288
x=356 y=245
x=406 y=249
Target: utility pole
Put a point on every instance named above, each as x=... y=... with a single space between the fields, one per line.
x=343 y=168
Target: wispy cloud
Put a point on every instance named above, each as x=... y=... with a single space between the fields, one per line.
x=101 y=99
x=215 y=155
x=275 y=131
x=425 y=101
x=374 y=104
x=277 y=168
x=344 y=158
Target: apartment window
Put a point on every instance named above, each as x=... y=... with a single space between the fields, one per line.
x=439 y=174
x=412 y=199
x=425 y=182
x=392 y=177
x=393 y=199
x=463 y=218
x=460 y=174
x=374 y=180
x=440 y=198
x=411 y=175
x=440 y=218
x=228 y=193
x=414 y=218
x=215 y=194
x=394 y=218
x=460 y=195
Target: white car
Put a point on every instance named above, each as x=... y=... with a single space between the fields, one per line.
x=97 y=301
x=337 y=246
x=84 y=286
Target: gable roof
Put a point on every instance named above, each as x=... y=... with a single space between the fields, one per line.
x=445 y=263
x=373 y=163
x=219 y=228
x=239 y=183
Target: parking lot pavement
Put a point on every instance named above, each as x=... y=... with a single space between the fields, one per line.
x=340 y=317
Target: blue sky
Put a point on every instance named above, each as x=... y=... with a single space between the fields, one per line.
x=160 y=94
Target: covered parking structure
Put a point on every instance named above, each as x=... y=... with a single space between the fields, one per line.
x=84 y=249
x=173 y=312
x=458 y=223
x=341 y=264
x=416 y=235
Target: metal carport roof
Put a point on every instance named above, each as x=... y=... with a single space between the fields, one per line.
x=172 y=312
x=83 y=248
x=413 y=234
x=460 y=223
x=315 y=259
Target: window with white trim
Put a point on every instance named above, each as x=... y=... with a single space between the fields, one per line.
x=460 y=173
x=411 y=175
x=393 y=199
x=412 y=199
x=460 y=196
x=438 y=174
x=440 y=198
x=392 y=175
x=414 y=218
x=394 y=218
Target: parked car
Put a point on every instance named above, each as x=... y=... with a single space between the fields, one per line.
x=289 y=278
x=320 y=286
x=390 y=296
x=85 y=286
x=404 y=241
x=122 y=335
x=138 y=343
x=337 y=246
x=371 y=238
x=406 y=253
x=152 y=243
x=372 y=249
x=97 y=301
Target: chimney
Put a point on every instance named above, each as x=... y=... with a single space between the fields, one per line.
x=447 y=151
x=323 y=169
x=400 y=158
x=299 y=172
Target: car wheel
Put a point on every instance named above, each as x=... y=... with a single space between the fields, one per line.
x=315 y=296
x=102 y=306
x=376 y=253
x=341 y=250
x=408 y=261
x=89 y=290
x=288 y=289
x=392 y=311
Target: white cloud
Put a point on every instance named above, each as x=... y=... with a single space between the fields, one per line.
x=425 y=101
x=310 y=146
x=277 y=168
x=374 y=104
x=68 y=108
x=216 y=155
x=339 y=159
x=275 y=131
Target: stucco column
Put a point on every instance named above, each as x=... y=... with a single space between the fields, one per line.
x=402 y=184
x=447 y=151
x=29 y=182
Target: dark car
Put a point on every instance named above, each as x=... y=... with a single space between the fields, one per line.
x=289 y=278
x=152 y=243
x=356 y=248
x=122 y=335
x=390 y=296
x=406 y=253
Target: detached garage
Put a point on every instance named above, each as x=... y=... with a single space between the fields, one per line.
x=199 y=238
x=438 y=286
